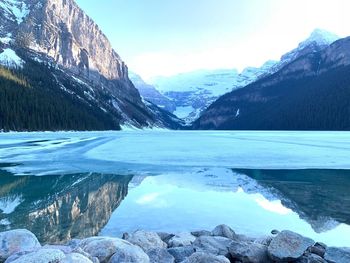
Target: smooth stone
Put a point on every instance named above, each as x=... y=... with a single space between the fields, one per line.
x=224 y=231
x=249 y=252
x=288 y=246
x=181 y=253
x=321 y=245
x=201 y=233
x=201 y=257
x=160 y=255
x=79 y=250
x=165 y=237
x=264 y=240
x=216 y=245
x=146 y=240
x=16 y=256
x=41 y=256
x=74 y=243
x=14 y=241
x=76 y=258
x=106 y=247
x=181 y=240
x=337 y=255
x=64 y=249
x=311 y=258
x=317 y=250
x=128 y=253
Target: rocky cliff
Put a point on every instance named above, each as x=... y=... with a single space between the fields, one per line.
x=58 y=33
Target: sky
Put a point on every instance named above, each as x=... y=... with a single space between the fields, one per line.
x=167 y=37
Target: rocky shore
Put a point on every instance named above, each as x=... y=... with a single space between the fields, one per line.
x=221 y=245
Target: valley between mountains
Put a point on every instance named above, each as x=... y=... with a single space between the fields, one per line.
x=59 y=72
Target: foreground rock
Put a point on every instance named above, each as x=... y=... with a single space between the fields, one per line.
x=288 y=246
x=201 y=257
x=214 y=245
x=224 y=231
x=249 y=252
x=114 y=250
x=146 y=240
x=40 y=256
x=181 y=240
x=14 y=241
x=337 y=255
x=221 y=245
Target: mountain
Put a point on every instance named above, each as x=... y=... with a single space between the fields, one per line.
x=76 y=80
x=193 y=92
x=309 y=93
x=150 y=93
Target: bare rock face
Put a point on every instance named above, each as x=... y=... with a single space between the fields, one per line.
x=58 y=33
x=62 y=31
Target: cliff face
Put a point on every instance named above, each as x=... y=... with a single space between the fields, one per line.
x=59 y=35
x=62 y=31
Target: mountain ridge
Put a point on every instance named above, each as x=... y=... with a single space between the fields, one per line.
x=59 y=35
x=191 y=92
x=309 y=93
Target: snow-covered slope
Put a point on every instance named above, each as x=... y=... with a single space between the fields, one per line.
x=150 y=93
x=193 y=92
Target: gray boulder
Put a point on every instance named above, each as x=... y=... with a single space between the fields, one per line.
x=14 y=241
x=263 y=240
x=181 y=240
x=165 y=237
x=337 y=255
x=311 y=258
x=288 y=246
x=201 y=257
x=201 y=233
x=40 y=256
x=213 y=244
x=317 y=250
x=181 y=253
x=113 y=249
x=146 y=240
x=224 y=231
x=160 y=255
x=75 y=258
x=64 y=249
x=249 y=252
x=129 y=254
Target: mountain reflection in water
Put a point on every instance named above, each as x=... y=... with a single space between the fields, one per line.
x=58 y=208
x=321 y=197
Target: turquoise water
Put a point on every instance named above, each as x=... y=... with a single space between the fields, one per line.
x=110 y=183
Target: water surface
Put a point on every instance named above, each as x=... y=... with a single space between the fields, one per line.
x=73 y=185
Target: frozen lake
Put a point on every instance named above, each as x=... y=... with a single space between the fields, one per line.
x=81 y=184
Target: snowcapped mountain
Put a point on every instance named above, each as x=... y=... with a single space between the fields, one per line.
x=57 y=37
x=309 y=93
x=150 y=93
x=193 y=92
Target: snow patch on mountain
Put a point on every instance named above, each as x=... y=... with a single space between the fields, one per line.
x=193 y=92
x=9 y=58
x=6 y=39
x=15 y=9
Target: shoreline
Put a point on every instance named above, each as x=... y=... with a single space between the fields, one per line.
x=220 y=245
